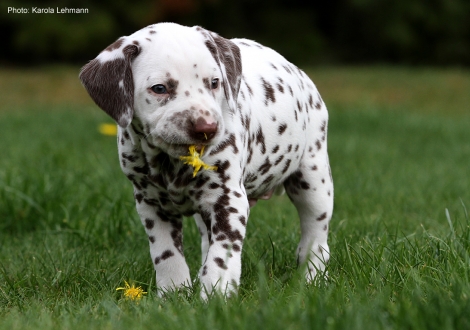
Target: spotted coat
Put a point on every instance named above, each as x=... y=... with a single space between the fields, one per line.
x=262 y=123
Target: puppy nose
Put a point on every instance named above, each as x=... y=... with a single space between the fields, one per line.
x=204 y=131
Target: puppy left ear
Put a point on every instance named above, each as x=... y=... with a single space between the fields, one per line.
x=227 y=55
x=109 y=80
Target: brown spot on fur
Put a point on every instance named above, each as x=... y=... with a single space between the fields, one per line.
x=149 y=223
x=230 y=141
x=268 y=180
x=139 y=197
x=249 y=89
x=260 y=140
x=165 y=255
x=286 y=166
x=221 y=237
x=268 y=92
x=115 y=45
x=206 y=83
x=220 y=262
x=318 y=144
x=171 y=86
x=265 y=167
x=281 y=157
x=282 y=128
x=310 y=100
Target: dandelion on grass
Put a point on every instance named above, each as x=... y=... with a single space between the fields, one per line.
x=132 y=292
x=108 y=129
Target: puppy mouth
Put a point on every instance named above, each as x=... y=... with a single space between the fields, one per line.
x=198 y=147
x=175 y=148
x=178 y=150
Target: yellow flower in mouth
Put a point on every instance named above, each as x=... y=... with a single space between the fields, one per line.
x=131 y=292
x=108 y=129
x=195 y=161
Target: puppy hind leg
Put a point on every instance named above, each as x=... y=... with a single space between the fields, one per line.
x=311 y=190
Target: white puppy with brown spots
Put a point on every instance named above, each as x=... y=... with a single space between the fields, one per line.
x=259 y=119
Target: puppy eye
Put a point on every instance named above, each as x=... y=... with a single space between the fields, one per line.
x=158 y=89
x=215 y=83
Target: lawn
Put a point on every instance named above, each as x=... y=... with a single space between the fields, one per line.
x=399 y=145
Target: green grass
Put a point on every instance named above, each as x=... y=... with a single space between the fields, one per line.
x=399 y=144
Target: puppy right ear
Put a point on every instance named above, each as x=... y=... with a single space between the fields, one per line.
x=109 y=80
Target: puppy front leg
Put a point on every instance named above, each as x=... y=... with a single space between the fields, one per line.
x=227 y=218
x=165 y=234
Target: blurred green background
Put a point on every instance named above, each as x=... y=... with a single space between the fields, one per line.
x=417 y=32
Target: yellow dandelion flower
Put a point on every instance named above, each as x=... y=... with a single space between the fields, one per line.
x=131 y=292
x=195 y=161
x=108 y=129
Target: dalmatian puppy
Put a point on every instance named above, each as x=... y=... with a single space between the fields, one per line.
x=260 y=121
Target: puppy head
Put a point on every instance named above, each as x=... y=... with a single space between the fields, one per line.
x=180 y=84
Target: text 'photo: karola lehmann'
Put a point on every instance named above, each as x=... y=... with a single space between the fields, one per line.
x=47 y=10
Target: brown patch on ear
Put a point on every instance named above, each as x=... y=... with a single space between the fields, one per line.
x=230 y=56
x=111 y=83
x=226 y=52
